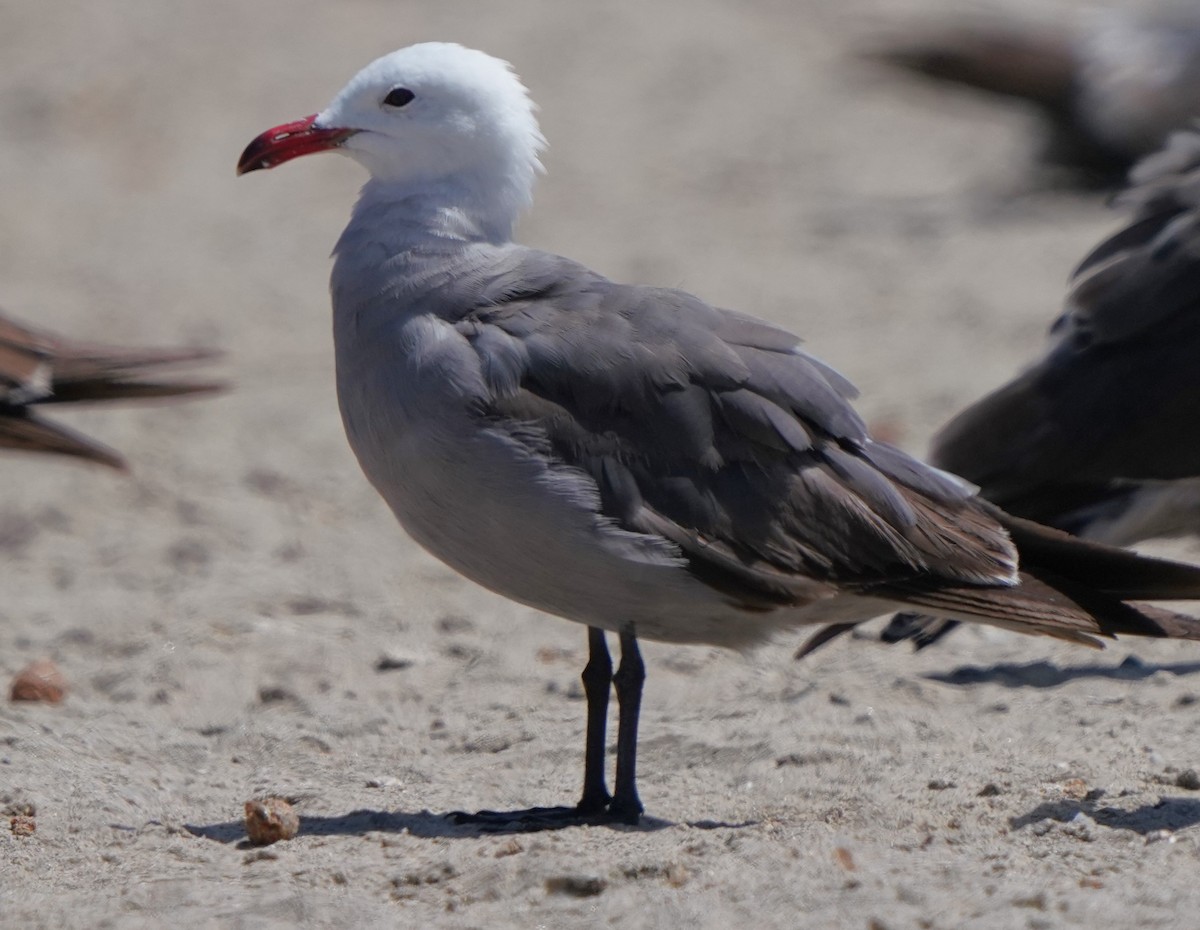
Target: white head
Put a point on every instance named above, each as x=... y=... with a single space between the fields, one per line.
x=434 y=120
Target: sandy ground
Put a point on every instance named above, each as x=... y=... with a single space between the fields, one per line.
x=222 y=614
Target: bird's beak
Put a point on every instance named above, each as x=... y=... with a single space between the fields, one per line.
x=291 y=140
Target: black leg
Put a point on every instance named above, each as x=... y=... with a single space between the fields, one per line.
x=596 y=805
x=597 y=681
x=626 y=807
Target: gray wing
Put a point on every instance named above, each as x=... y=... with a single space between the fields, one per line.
x=713 y=430
x=1116 y=398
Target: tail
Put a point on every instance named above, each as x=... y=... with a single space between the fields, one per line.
x=1042 y=67
x=1039 y=66
x=1071 y=589
x=1120 y=573
x=37 y=367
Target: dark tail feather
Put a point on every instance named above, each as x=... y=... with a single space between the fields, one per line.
x=821 y=637
x=121 y=383
x=1038 y=66
x=26 y=432
x=91 y=378
x=1050 y=606
x=1120 y=573
x=1168 y=624
x=1115 y=617
x=921 y=630
x=37 y=367
x=1069 y=588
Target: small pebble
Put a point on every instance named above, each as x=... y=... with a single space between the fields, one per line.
x=392 y=662
x=511 y=848
x=275 y=694
x=1188 y=779
x=270 y=820
x=1075 y=788
x=39 y=681
x=576 y=886
x=548 y=655
x=22 y=825
x=677 y=876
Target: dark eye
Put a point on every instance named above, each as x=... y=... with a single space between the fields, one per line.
x=398 y=97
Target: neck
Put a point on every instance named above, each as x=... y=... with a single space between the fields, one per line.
x=399 y=231
x=399 y=214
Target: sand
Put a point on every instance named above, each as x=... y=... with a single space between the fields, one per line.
x=240 y=616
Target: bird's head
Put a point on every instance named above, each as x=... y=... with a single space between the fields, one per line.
x=427 y=117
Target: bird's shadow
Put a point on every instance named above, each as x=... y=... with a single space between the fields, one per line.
x=424 y=824
x=1044 y=674
x=1166 y=814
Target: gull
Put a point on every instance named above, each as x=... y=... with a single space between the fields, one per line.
x=1109 y=84
x=628 y=457
x=1098 y=436
x=39 y=368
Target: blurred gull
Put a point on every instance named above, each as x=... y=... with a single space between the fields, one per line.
x=1101 y=436
x=632 y=458
x=39 y=368
x=1111 y=85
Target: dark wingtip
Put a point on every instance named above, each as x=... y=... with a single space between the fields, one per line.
x=821 y=637
x=922 y=630
x=22 y=431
